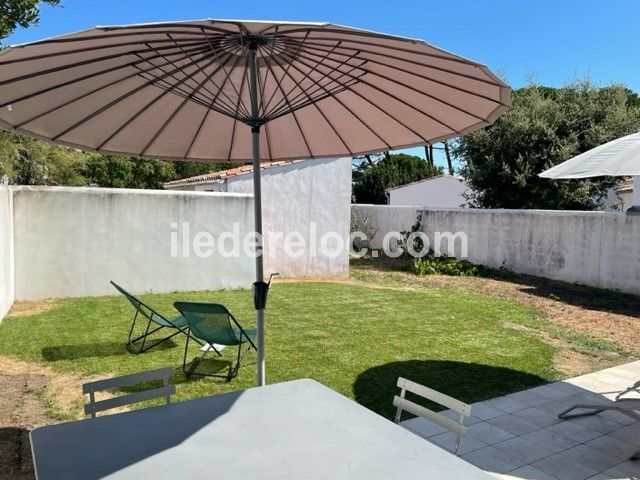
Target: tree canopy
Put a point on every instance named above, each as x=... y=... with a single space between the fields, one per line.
x=544 y=127
x=20 y=13
x=373 y=178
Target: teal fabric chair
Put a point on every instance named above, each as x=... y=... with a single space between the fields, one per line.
x=155 y=322
x=213 y=324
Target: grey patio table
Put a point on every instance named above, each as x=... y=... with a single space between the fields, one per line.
x=292 y=430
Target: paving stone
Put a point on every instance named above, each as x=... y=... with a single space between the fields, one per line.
x=483 y=411
x=488 y=433
x=513 y=424
x=551 y=440
x=590 y=457
x=527 y=472
x=599 y=423
x=628 y=469
x=560 y=467
x=538 y=417
x=507 y=405
x=575 y=431
x=630 y=434
x=493 y=460
x=613 y=447
x=422 y=427
x=448 y=441
x=523 y=450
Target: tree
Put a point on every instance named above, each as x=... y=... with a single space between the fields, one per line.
x=372 y=180
x=544 y=127
x=20 y=13
x=126 y=172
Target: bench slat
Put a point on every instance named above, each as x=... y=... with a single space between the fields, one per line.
x=128 y=380
x=424 y=412
x=92 y=408
x=435 y=396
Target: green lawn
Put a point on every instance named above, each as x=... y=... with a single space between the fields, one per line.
x=355 y=339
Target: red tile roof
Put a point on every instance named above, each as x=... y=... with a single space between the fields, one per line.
x=224 y=174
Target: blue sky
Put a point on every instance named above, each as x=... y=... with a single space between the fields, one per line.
x=549 y=41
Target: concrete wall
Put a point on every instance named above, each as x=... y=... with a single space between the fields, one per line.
x=6 y=250
x=440 y=192
x=601 y=249
x=72 y=241
x=301 y=197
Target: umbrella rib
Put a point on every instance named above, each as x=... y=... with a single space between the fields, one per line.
x=421 y=92
x=348 y=110
x=415 y=74
x=385 y=112
x=280 y=109
x=268 y=64
x=208 y=111
x=178 y=110
x=494 y=83
x=227 y=74
x=131 y=119
x=91 y=75
x=235 y=123
x=179 y=87
x=442 y=56
x=295 y=118
x=84 y=95
x=80 y=64
x=108 y=106
x=364 y=82
x=285 y=70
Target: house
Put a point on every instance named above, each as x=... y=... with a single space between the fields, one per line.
x=445 y=191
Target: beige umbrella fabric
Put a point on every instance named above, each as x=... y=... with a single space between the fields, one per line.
x=188 y=91
x=181 y=90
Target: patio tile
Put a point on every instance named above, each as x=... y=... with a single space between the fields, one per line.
x=483 y=411
x=547 y=438
x=514 y=425
x=553 y=392
x=538 y=417
x=448 y=441
x=560 y=467
x=629 y=469
x=523 y=450
x=493 y=460
x=527 y=472
x=566 y=387
x=590 y=457
x=599 y=423
x=613 y=447
x=526 y=397
x=630 y=433
x=507 y=405
x=575 y=431
x=488 y=433
x=422 y=427
x=455 y=416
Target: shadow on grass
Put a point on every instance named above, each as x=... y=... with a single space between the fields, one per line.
x=470 y=382
x=88 y=350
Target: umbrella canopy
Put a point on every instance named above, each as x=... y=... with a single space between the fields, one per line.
x=620 y=157
x=182 y=90
x=188 y=91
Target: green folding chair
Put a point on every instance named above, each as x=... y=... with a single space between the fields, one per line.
x=213 y=324
x=176 y=325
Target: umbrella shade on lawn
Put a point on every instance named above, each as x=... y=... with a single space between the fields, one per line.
x=240 y=91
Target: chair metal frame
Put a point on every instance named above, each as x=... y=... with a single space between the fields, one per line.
x=233 y=370
x=150 y=314
x=402 y=404
x=90 y=388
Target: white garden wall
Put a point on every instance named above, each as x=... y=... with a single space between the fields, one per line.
x=6 y=250
x=599 y=249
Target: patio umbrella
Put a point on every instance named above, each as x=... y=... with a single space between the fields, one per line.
x=240 y=91
x=619 y=157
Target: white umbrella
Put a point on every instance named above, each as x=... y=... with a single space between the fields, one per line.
x=619 y=157
x=233 y=90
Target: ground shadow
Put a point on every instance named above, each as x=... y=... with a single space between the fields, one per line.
x=470 y=382
x=15 y=454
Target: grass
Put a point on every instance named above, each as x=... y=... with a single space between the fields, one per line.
x=354 y=338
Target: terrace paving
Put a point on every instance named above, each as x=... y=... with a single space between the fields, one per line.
x=519 y=436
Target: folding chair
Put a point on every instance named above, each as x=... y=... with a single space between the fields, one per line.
x=213 y=324
x=166 y=390
x=627 y=406
x=402 y=404
x=176 y=324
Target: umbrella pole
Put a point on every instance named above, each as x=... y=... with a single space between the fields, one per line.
x=257 y=207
